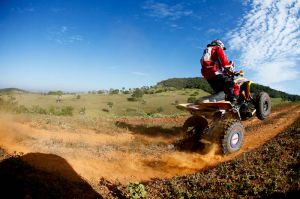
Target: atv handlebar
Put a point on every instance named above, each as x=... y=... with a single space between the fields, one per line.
x=241 y=73
x=230 y=70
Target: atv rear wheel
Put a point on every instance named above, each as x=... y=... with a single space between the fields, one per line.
x=263 y=105
x=193 y=129
x=194 y=125
x=233 y=136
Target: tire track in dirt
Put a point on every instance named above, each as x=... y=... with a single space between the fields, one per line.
x=140 y=152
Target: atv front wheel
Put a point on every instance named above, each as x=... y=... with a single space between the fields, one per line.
x=263 y=105
x=233 y=137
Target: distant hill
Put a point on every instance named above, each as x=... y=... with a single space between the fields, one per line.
x=12 y=90
x=201 y=83
x=191 y=82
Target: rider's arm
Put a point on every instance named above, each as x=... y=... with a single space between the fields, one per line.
x=222 y=58
x=224 y=61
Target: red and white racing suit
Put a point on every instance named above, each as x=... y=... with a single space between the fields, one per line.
x=214 y=63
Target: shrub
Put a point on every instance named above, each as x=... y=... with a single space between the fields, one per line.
x=105 y=110
x=7 y=105
x=137 y=93
x=114 y=91
x=55 y=93
x=52 y=110
x=195 y=93
x=132 y=99
x=82 y=111
x=78 y=97
x=67 y=110
x=110 y=104
x=136 y=191
x=21 y=109
x=160 y=109
x=38 y=109
x=191 y=99
x=130 y=110
x=157 y=112
x=100 y=91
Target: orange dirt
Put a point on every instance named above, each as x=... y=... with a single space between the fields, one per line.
x=141 y=150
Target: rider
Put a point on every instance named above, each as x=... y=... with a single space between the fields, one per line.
x=218 y=71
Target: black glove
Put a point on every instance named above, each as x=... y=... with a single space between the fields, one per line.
x=241 y=73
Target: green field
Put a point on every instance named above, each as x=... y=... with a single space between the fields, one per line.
x=110 y=105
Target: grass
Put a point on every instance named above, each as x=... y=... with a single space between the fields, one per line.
x=278 y=101
x=105 y=105
x=114 y=105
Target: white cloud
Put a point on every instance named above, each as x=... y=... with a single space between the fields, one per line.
x=75 y=38
x=268 y=39
x=214 y=31
x=276 y=72
x=175 y=26
x=163 y=10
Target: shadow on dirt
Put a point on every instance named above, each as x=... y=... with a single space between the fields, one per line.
x=38 y=175
x=189 y=143
x=152 y=131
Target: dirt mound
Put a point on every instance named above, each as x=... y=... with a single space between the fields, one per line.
x=140 y=149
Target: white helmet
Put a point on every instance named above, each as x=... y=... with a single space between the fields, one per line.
x=217 y=42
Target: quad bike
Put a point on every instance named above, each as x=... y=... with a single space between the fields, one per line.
x=219 y=121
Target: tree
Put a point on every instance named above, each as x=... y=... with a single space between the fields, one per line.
x=55 y=93
x=100 y=91
x=137 y=93
x=114 y=91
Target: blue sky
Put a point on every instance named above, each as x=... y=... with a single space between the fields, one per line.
x=81 y=45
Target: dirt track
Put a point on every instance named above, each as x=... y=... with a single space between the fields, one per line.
x=141 y=149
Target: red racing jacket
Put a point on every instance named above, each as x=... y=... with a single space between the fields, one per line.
x=213 y=62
